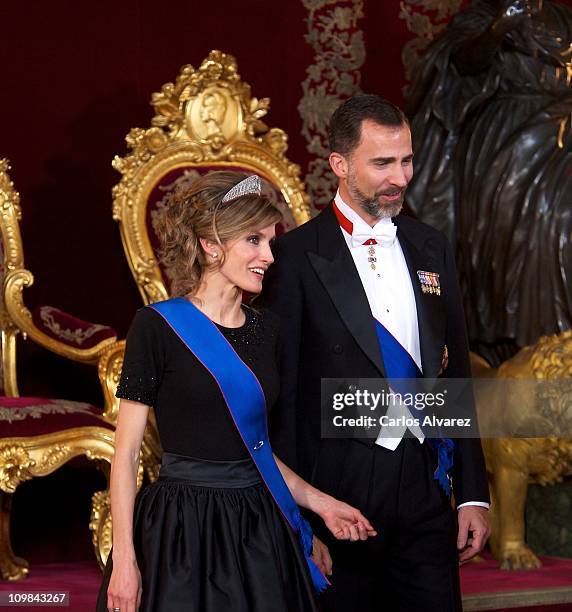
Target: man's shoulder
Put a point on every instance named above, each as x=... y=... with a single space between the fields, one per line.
x=417 y=230
x=301 y=237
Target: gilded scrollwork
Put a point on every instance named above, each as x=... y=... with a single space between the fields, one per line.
x=337 y=40
x=100 y=525
x=15 y=466
x=54 y=457
x=207 y=117
x=109 y=371
x=11 y=215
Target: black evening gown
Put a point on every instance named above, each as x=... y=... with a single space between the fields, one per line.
x=207 y=534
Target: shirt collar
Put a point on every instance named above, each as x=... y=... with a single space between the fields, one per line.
x=358 y=223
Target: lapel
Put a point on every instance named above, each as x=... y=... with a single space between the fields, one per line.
x=430 y=310
x=335 y=267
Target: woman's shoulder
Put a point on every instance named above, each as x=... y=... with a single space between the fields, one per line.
x=146 y=316
x=147 y=322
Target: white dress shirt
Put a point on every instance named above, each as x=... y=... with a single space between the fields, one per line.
x=391 y=299
x=390 y=296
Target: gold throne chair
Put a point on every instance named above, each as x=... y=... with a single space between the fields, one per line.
x=207 y=120
x=38 y=435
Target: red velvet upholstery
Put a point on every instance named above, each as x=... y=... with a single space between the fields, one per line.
x=185 y=176
x=35 y=416
x=69 y=329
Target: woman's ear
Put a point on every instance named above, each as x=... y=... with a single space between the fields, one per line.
x=211 y=248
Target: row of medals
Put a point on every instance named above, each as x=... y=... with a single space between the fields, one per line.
x=372 y=259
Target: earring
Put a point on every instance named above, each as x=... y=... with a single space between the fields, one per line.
x=214 y=255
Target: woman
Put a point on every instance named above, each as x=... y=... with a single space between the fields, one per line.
x=220 y=529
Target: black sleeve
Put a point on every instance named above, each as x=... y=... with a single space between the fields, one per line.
x=469 y=474
x=144 y=359
x=282 y=295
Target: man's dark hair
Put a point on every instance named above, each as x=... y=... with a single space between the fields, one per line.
x=344 y=131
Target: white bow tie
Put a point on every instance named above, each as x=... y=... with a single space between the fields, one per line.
x=383 y=234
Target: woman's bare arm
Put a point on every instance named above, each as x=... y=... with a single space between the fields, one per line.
x=124 y=590
x=344 y=521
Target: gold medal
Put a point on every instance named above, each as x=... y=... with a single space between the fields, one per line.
x=372 y=259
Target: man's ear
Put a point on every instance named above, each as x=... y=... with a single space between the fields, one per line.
x=339 y=165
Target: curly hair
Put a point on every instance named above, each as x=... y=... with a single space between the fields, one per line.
x=196 y=212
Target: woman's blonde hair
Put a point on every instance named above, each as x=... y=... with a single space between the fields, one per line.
x=196 y=212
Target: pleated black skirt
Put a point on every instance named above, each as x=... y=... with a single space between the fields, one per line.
x=209 y=538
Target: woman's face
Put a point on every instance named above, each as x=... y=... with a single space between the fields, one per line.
x=247 y=258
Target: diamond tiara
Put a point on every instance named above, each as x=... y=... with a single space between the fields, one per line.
x=251 y=184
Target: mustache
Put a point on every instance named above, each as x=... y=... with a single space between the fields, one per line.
x=386 y=192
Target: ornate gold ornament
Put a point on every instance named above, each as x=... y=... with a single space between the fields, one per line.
x=513 y=463
x=337 y=40
x=206 y=119
x=24 y=457
x=100 y=525
x=426 y=19
x=15 y=466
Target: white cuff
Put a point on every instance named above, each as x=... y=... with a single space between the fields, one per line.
x=480 y=504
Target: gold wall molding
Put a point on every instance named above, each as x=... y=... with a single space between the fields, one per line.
x=335 y=35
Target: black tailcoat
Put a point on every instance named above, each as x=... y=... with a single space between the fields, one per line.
x=328 y=332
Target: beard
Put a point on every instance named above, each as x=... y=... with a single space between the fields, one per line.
x=372 y=206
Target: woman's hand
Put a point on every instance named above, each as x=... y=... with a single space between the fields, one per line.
x=344 y=521
x=124 y=591
x=321 y=557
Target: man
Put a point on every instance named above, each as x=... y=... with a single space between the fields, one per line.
x=333 y=278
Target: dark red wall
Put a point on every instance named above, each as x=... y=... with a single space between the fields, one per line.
x=76 y=77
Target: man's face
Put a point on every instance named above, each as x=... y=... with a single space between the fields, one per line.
x=379 y=169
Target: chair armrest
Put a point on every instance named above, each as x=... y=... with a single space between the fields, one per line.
x=53 y=329
x=70 y=330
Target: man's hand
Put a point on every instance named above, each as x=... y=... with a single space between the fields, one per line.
x=476 y=520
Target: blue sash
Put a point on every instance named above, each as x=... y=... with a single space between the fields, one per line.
x=245 y=400
x=400 y=365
